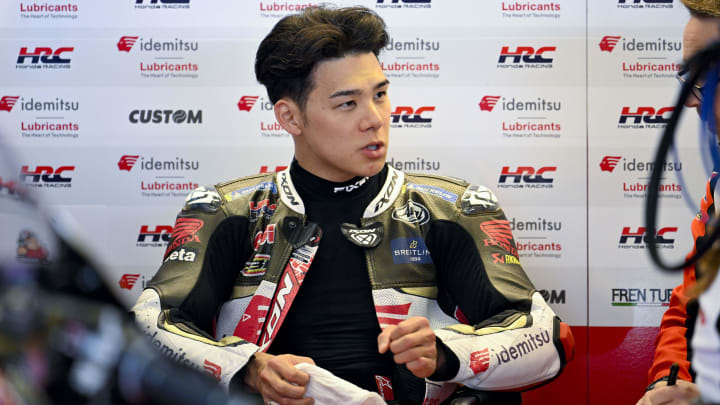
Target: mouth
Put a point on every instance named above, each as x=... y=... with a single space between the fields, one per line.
x=373 y=146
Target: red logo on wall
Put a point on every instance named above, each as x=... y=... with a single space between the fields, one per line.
x=264 y=169
x=480 y=361
x=609 y=162
x=127 y=162
x=126 y=43
x=127 y=281
x=488 y=103
x=246 y=103
x=608 y=42
x=7 y=103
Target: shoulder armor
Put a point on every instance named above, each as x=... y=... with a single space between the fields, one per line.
x=244 y=186
x=202 y=199
x=478 y=199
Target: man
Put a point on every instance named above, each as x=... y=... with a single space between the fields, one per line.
x=411 y=284
x=672 y=342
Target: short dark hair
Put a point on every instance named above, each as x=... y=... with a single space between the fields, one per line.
x=287 y=56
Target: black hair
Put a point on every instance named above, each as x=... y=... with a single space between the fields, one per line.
x=288 y=55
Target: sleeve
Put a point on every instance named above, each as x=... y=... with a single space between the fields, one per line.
x=671 y=343
x=177 y=309
x=510 y=338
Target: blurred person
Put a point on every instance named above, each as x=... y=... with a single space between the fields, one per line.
x=672 y=344
x=411 y=284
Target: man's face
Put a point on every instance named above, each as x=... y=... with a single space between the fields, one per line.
x=344 y=130
x=699 y=32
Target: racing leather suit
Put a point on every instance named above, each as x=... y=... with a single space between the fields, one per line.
x=195 y=317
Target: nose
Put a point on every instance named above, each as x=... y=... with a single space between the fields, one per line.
x=373 y=117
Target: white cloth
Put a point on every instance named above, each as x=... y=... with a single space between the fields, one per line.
x=327 y=388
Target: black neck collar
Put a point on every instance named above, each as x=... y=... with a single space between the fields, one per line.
x=311 y=186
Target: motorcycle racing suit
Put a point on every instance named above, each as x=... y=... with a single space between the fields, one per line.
x=196 y=316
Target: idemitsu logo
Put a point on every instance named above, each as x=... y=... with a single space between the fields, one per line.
x=7 y=103
x=526 y=125
x=37 y=10
x=608 y=42
x=127 y=281
x=125 y=44
x=488 y=103
x=423 y=53
x=246 y=103
x=127 y=162
x=609 y=162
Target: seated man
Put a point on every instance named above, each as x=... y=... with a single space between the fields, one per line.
x=407 y=285
x=672 y=344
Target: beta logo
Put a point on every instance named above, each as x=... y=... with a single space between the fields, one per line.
x=488 y=103
x=157 y=236
x=126 y=43
x=411 y=118
x=127 y=281
x=526 y=177
x=480 y=361
x=631 y=239
x=7 y=103
x=184 y=254
x=526 y=56
x=608 y=163
x=44 y=57
x=608 y=43
x=246 y=103
x=645 y=117
x=46 y=176
x=127 y=162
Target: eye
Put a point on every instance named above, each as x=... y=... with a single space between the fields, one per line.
x=347 y=104
x=381 y=94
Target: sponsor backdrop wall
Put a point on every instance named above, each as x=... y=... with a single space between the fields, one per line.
x=117 y=109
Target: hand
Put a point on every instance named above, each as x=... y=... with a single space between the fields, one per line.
x=277 y=379
x=412 y=342
x=682 y=393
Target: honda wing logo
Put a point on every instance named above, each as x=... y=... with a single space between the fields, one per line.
x=488 y=103
x=609 y=162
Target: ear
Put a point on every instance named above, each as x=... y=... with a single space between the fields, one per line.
x=289 y=116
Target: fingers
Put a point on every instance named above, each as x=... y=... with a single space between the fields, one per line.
x=281 y=382
x=412 y=343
